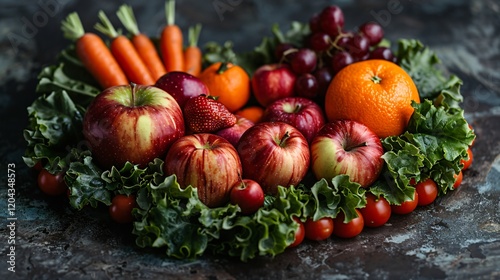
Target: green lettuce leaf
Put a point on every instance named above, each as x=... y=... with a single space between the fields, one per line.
x=55 y=78
x=352 y=196
x=54 y=129
x=293 y=201
x=421 y=64
x=444 y=136
x=403 y=162
x=167 y=219
x=267 y=232
x=89 y=184
x=224 y=230
x=436 y=140
x=55 y=117
x=86 y=185
x=131 y=178
x=342 y=195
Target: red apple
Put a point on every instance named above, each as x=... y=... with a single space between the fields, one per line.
x=347 y=147
x=247 y=194
x=274 y=154
x=233 y=133
x=133 y=123
x=302 y=113
x=272 y=82
x=207 y=162
x=182 y=86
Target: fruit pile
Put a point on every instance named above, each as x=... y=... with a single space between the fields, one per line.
x=329 y=48
x=317 y=132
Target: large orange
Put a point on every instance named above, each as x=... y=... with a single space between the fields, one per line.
x=376 y=93
x=229 y=82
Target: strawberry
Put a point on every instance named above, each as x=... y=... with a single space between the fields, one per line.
x=205 y=114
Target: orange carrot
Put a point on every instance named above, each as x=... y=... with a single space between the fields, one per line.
x=125 y=53
x=93 y=53
x=171 y=44
x=142 y=43
x=192 y=54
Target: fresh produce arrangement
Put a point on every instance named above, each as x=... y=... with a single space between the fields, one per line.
x=315 y=134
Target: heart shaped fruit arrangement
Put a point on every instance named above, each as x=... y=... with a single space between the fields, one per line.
x=317 y=132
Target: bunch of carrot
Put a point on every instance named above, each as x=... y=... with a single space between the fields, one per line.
x=134 y=58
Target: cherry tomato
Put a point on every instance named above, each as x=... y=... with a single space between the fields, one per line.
x=320 y=229
x=467 y=162
x=427 y=192
x=299 y=234
x=376 y=212
x=407 y=206
x=413 y=182
x=350 y=229
x=248 y=194
x=121 y=207
x=38 y=166
x=51 y=184
x=458 y=180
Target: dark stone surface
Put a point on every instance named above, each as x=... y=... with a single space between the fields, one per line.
x=458 y=237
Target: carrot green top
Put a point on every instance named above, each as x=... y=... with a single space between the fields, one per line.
x=170 y=11
x=127 y=18
x=106 y=27
x=72 y=27
x=194 y=35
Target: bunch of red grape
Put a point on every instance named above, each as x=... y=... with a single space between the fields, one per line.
x=328 y=49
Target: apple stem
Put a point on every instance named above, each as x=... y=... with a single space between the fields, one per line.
x=363 y=144
x=283 y=139
x=133 y=89
x=242 y=185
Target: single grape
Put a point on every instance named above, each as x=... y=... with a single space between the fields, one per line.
x=324 y=76
x=373 y=31
x=332 y=20
x=342 y=40
x=303 y=61
x=382 y=53
x=280 y=49
x=341 y=60
x=306 y=86
x=319 y=41
x=314 y=23
x=358 y=46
